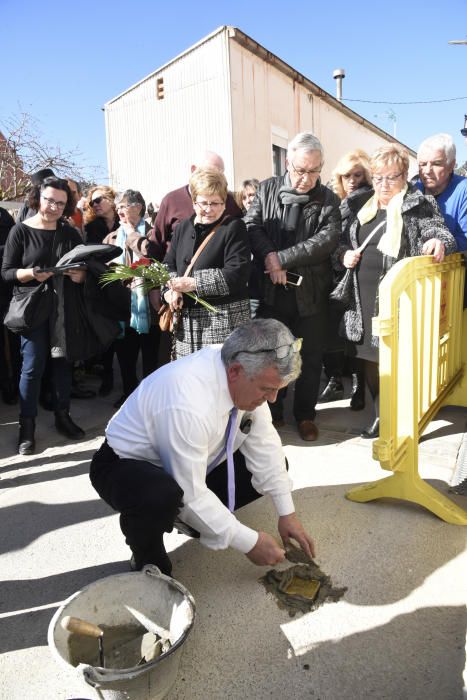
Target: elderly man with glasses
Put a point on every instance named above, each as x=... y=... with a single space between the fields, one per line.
x=436 y=162
x=195 y=441
x=294 y=226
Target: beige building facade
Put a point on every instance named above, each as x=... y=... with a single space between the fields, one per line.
x=229 y=94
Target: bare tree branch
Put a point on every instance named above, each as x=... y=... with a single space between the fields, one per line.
x=24 y=150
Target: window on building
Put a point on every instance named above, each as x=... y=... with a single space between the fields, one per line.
x=160 y=88
x=278 y=159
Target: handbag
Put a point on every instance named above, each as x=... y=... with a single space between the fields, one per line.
x=343 y=292
x=166 y=315
x=31 y=306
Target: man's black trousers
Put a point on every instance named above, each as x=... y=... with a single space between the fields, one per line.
x=148 y=499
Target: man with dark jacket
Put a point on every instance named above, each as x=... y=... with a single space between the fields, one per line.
x=177 y=205
x=294 y=225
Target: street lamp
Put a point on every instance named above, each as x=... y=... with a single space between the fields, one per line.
x=464 y=130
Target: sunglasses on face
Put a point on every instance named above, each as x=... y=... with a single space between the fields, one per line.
x=96 y=200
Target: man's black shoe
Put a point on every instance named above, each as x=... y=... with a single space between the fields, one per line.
x=185 y=529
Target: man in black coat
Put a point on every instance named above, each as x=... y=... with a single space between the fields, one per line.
x=294 y=225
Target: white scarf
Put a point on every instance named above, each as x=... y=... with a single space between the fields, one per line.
x=390 y=241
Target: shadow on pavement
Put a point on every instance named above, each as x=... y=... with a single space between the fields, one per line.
x=49 y=475
x=25 y=522
x=29 y=629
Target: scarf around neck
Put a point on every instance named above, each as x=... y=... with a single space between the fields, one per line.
x=293 y=203
x=390 y=241
x=140 y=314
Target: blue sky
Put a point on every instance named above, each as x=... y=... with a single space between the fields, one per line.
x=62 y=62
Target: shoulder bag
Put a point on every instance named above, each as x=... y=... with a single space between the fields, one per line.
x=343 y=292
x=166 y=315
x=31 y=306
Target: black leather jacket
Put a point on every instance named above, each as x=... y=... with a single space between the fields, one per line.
x=315 y=239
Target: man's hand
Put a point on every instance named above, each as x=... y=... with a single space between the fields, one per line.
x=289 y=528
x=266 y=551
x=274 y=269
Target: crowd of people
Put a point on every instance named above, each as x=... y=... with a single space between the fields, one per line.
x=267 y=258
x=265 y=238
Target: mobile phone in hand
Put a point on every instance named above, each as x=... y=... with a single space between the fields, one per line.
x=294 y=279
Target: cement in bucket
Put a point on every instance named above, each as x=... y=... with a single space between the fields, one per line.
x=105 y=602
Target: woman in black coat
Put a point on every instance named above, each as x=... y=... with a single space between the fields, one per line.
x=36 y=243
x=397 y=222
x=220 y=274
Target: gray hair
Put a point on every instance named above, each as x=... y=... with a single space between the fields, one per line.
x=305 y=141
x=132 y=197
x=442 y=142
x=253 y=345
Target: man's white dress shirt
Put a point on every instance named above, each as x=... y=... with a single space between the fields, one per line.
x=177 y=419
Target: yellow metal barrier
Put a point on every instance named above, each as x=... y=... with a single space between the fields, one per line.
x=421 y=360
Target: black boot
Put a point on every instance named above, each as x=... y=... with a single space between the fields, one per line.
x=372 y=431
x=26 y=442
x=357 y=400
x=66 y=427
x=334 y=391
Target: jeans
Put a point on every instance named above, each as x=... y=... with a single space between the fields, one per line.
x=34 y=350
x=313 y=331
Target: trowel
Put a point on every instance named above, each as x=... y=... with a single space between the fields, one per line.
x=143 y=648
x=87 y=629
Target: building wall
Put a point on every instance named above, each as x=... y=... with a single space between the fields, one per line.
x=270 y=107
x=151 y=143
x=222 y=96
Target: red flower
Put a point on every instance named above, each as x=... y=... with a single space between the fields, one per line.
x=142 y=262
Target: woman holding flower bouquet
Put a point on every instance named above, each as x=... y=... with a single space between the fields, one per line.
x=219 y=275
x=142 y=333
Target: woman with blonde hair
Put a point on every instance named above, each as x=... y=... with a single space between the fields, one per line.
x=220 y=273
x=351 y=173
x=396 y=222
x=351 y=181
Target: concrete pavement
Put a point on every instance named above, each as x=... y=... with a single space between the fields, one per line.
x=398 y=632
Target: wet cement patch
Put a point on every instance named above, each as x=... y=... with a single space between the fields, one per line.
x=302 y=575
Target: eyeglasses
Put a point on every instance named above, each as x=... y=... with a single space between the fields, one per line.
x=96 y=200
x=390 y=179
x=126 y=206
x=213 y=205
x=305 y=173
x=282 y=351
x=53 y=203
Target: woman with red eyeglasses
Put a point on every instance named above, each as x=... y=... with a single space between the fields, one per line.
x=396 y=222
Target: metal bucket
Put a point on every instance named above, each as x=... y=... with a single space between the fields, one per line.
x=106 y=602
